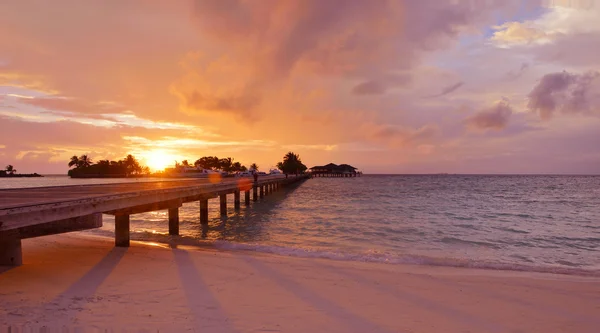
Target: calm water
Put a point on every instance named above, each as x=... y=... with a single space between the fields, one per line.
x=536 y=223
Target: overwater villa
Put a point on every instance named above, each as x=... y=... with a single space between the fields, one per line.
x=334 y=170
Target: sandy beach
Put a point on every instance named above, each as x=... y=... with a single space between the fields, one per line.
x=83 y=282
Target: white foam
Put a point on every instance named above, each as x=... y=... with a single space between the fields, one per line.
x=379 y=257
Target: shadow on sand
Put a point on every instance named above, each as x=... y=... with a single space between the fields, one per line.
x=86 y=286
x=205 y=308
x=345 y=317
x=416 y=300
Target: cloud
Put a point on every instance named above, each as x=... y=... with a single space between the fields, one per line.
x=449 y=89
x=241 y=105
x=516 y=33
x=578 y=49
x=396 y=135
x=381 y=85
x=493 y=118
x=511 y=75
x=369 y=88
x=70 y=104
x=565 y=92
x=556 y=22
x=274 y=45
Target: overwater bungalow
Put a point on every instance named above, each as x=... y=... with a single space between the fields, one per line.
x=334 y=170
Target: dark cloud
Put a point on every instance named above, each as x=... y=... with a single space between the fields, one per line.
x=449 y=89
x=381 y=85
x=512 y=75
x=241 y=104
x=495 y=117
x=565 y=92
x=397 y=135
x=369 y=88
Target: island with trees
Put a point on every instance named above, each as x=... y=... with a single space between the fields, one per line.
x=84 y=167
x=10 y=171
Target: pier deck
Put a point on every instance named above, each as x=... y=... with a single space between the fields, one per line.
x=34 y=212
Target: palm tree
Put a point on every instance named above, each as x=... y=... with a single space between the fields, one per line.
x=85 y=161
x=291 y=163
x=254 y=166
x=74 y=161
x=10 y=170
x=132 y=165
x=185 y=163
x=291 y=157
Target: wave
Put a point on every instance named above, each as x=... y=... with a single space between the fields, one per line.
x=511 y=230
x=454 y=240
x=381 y=257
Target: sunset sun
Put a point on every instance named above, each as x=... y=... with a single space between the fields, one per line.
x=158 y=160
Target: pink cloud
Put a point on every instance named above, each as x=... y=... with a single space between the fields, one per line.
x=567 y=93
x=495 y=117
x=75 y=105
x=292 y=41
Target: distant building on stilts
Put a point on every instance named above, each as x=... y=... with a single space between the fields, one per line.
x=333 y=170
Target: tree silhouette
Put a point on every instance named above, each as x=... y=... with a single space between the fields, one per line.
x=254 y=166
x=291 y=164
x=84 y=161
x=10 y=170
x=74 y=162
x=132 y=166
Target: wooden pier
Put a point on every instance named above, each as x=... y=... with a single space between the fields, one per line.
x=40 y=211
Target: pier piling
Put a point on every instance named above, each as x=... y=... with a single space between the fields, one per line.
x=204 y=211
x=247 y=197
x=11 y=253
x=262 y=191
x=223 y=204
x=255 y=193
x=236 y=199
x=122 y=230
x=174 y=221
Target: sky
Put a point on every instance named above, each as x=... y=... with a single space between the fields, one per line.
x=399 y=86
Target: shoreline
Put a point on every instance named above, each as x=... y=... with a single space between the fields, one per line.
x=164 y=239
x=83 y=282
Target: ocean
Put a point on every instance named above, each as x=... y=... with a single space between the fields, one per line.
x=525 y=223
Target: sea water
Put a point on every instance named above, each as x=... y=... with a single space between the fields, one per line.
x=532 y=223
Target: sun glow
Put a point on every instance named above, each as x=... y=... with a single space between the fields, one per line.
x=158 y=160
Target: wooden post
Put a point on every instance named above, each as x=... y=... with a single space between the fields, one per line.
x=262 y=191
x=247 y=197
x=11 y=253
x=236 y=199
x=255 y=193
x=204 y=211
x=122 y=230
x=174 y=221
x=223 y=204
